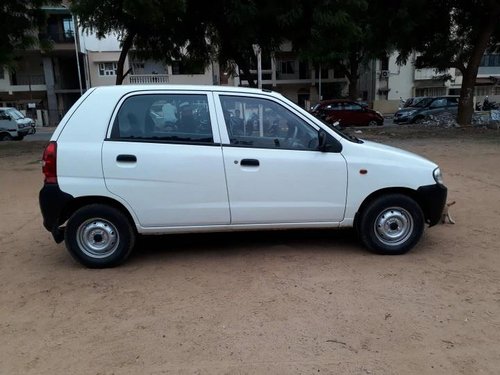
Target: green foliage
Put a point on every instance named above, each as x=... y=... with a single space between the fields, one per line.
x=343 y=34
x=450 y=34
x=18 y=27
x=447 y=34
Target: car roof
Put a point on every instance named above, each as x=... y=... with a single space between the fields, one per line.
x=337 y=101
x=125 y=89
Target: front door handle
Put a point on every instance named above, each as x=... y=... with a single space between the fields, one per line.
x=126 y=158
x=249 y=163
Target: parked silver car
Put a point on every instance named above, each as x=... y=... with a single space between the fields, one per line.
x=14 y=125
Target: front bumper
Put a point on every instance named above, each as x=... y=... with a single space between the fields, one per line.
x=401 y=120
x=53 y=201
x=26 y=131
x=432 y=199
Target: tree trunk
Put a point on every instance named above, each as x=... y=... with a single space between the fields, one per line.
x=127 y=44
x=245 y=70
x=353 y=76
x=466 y=104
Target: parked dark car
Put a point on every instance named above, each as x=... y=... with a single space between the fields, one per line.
x=349 y=113
x=426 y=107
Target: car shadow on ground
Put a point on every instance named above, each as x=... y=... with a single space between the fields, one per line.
x=234 y=244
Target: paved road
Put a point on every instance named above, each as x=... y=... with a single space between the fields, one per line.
x=42 y=134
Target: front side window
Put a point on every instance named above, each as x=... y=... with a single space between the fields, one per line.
x=438 y=103
x=334 y=107
x=262 y=123
x=352 y=107
x=164 y=118
x=107 y=68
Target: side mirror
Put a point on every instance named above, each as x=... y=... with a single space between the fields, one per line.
x=326 y=143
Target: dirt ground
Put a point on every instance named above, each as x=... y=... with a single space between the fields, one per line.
x=298 y=302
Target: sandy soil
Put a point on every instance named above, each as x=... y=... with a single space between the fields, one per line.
x=299 y=302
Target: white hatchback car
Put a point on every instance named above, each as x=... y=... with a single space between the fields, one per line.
x=130 y=160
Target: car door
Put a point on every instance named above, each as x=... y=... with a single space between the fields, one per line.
x=452 y=105
x=171 y=172
x=274 y=171
x=437 y=106
x=354 y=114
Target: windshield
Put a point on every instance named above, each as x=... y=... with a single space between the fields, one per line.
x=341 y=131
x=423 y=103
x=15 y=114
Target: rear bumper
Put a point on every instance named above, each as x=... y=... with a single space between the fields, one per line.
x=432 y=198
x=52 y=204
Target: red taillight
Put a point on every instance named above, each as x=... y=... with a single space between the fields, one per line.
x=49 y=168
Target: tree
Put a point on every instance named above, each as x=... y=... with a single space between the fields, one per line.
x=152 y=27
x=342 y=34
x=18 y=23
x=232 y=28
x=450 y=34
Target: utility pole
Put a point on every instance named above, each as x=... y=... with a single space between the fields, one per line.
x=258 y=53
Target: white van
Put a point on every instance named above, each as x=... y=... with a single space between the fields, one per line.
x=128 y=160
x=13 y=125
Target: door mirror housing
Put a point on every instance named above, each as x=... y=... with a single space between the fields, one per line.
x=326 y=143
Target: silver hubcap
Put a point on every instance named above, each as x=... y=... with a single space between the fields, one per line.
x=393 y=226
x=97 y=238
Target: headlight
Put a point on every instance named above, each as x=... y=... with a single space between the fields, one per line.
x=380 y=114
x=438 y=176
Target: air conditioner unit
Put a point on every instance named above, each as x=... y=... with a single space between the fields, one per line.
x=384 y=74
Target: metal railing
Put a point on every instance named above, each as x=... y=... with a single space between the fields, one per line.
x=148 y=79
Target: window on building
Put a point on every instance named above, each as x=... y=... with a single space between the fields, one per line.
x=492 y=59
x=287 y=67
x=2 y=76
x=384 y=63
x=107 y=69
x=68 y=29
x=180 y=67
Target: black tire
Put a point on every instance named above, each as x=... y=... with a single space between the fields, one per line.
x=99 y=236
x=391 y=224
x=6 y=137
x=19 y=138
x=372 y=123
x=419 y=120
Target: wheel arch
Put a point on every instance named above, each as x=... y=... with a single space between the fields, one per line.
x=385 y=191
x=79 y=202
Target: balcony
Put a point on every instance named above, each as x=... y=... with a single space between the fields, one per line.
x=27 y=79
x=148 y=79
x=425 y=74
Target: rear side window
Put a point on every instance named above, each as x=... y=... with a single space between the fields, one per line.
x=164 y=117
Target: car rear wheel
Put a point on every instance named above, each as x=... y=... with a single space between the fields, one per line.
x=99 y=236
x=372 y=123
x=391 y=224
x=6 y=137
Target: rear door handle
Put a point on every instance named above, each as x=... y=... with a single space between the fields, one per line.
x=126 y=158
x=249 y=163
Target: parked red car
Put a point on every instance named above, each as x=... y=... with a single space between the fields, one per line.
x=349 y=113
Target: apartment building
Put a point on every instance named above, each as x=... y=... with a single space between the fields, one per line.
x=384 y=83
x=46 y=83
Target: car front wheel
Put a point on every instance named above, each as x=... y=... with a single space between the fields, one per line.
x=391 y=224
x=99 y=236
